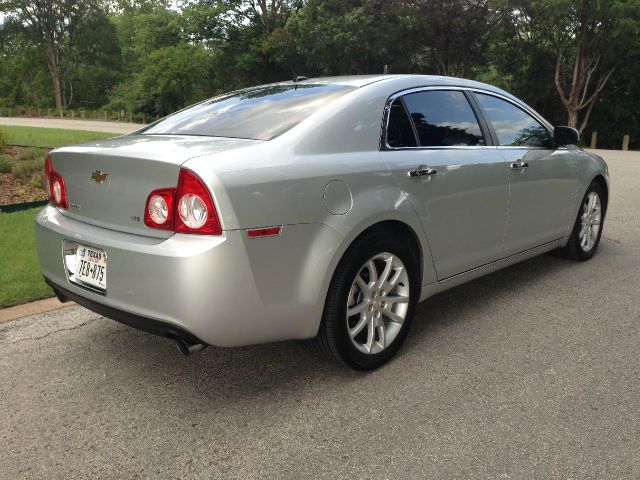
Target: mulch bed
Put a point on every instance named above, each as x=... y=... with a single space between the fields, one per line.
x=12 y=191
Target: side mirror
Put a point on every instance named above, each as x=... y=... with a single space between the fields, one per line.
x=565 y=136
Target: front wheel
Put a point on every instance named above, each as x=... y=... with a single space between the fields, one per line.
x=370 y=302
x=587 y=229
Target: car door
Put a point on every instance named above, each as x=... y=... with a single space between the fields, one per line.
x=543 y=180
x=440 y=155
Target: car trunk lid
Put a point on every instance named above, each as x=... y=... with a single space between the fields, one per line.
x=108 y=182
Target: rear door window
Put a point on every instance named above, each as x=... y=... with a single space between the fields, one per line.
x=443 y=119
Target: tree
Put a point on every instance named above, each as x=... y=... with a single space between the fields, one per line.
x=52 y=24
x=456 y=35
x=585 y=39
x=587 y=35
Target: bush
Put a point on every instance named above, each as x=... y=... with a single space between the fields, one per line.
x=4 y=141
x=31 y=154
x=6 y=163
x=29 y=172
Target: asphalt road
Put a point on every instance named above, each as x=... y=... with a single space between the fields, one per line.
x=90 y=125
x=531 y=372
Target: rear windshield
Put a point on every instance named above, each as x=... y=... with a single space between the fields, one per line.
x=260 y=113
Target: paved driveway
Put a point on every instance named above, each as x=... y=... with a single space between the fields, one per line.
x=90 y=125
x=531 y=372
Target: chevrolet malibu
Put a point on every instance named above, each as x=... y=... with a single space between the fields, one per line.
x=321 y=209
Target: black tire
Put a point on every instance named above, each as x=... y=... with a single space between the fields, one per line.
x=333 y=339
x=574 y=250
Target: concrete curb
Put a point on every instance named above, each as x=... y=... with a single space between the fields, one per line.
x=32 y=308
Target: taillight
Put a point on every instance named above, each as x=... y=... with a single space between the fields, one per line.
x=188 y=208
x=159 y=212
x=195 y=210
x=54 y=183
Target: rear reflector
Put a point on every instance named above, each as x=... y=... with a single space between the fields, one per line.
x=264 y=232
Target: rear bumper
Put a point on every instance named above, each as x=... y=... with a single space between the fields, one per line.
x=224 y=290
x=150 y=325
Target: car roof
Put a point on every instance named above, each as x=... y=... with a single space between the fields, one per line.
x=419 y=80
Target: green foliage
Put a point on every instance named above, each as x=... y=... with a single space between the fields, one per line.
x=6 y=163
x=29 y=172
x=170 y=78
x=4 y=141
x=30 y=154
x=146 y=57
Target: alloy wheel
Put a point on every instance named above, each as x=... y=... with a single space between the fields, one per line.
x=378 y=303
x=590 y=221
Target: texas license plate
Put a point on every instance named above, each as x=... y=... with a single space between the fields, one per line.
x=91 y=267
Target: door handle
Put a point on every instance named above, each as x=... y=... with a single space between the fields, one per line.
x=422 y=172
x=519 y=164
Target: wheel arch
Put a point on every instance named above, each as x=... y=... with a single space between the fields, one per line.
x=411 y=230
x=600 y=180
x=398 y=227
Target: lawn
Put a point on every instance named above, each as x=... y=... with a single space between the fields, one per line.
x=20 y=277
x=49 y=137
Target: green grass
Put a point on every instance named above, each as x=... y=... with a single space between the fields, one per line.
x=20 y=277
x=49 y=137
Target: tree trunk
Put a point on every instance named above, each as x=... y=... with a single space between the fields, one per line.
x=54 y=68
x=572 y=117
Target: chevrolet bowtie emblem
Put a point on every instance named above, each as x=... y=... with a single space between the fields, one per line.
x=99 y=176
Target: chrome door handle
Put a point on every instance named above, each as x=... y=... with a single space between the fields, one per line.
x=422 y=172
x=519 y=164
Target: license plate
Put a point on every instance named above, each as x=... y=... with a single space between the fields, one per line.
x=91 y=267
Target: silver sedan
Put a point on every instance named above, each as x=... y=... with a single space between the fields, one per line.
x=320 y=209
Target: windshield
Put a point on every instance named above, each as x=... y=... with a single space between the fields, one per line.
x=260 y=113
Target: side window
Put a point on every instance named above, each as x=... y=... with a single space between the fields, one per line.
x=513 y=126
x=443 y=119
x=399 y=129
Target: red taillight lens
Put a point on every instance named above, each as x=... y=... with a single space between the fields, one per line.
x=189 y=208
x=159 y=212
x=195 y=212
x=56 y=189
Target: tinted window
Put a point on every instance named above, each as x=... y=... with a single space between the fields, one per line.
x=513 y=126
x=443 y=118
x=399 y=131
x=260 y=113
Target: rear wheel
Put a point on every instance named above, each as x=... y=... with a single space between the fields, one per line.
x=370 y=303
x=587 y=229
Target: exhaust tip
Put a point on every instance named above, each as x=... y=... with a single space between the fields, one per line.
x=188 y=348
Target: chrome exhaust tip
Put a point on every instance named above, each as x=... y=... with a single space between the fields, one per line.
x=187 y=348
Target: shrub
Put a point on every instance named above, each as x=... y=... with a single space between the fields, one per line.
x=4 y=141
x=37 y=180
x=6 y=163
x=29 y=172
x=31 y=154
